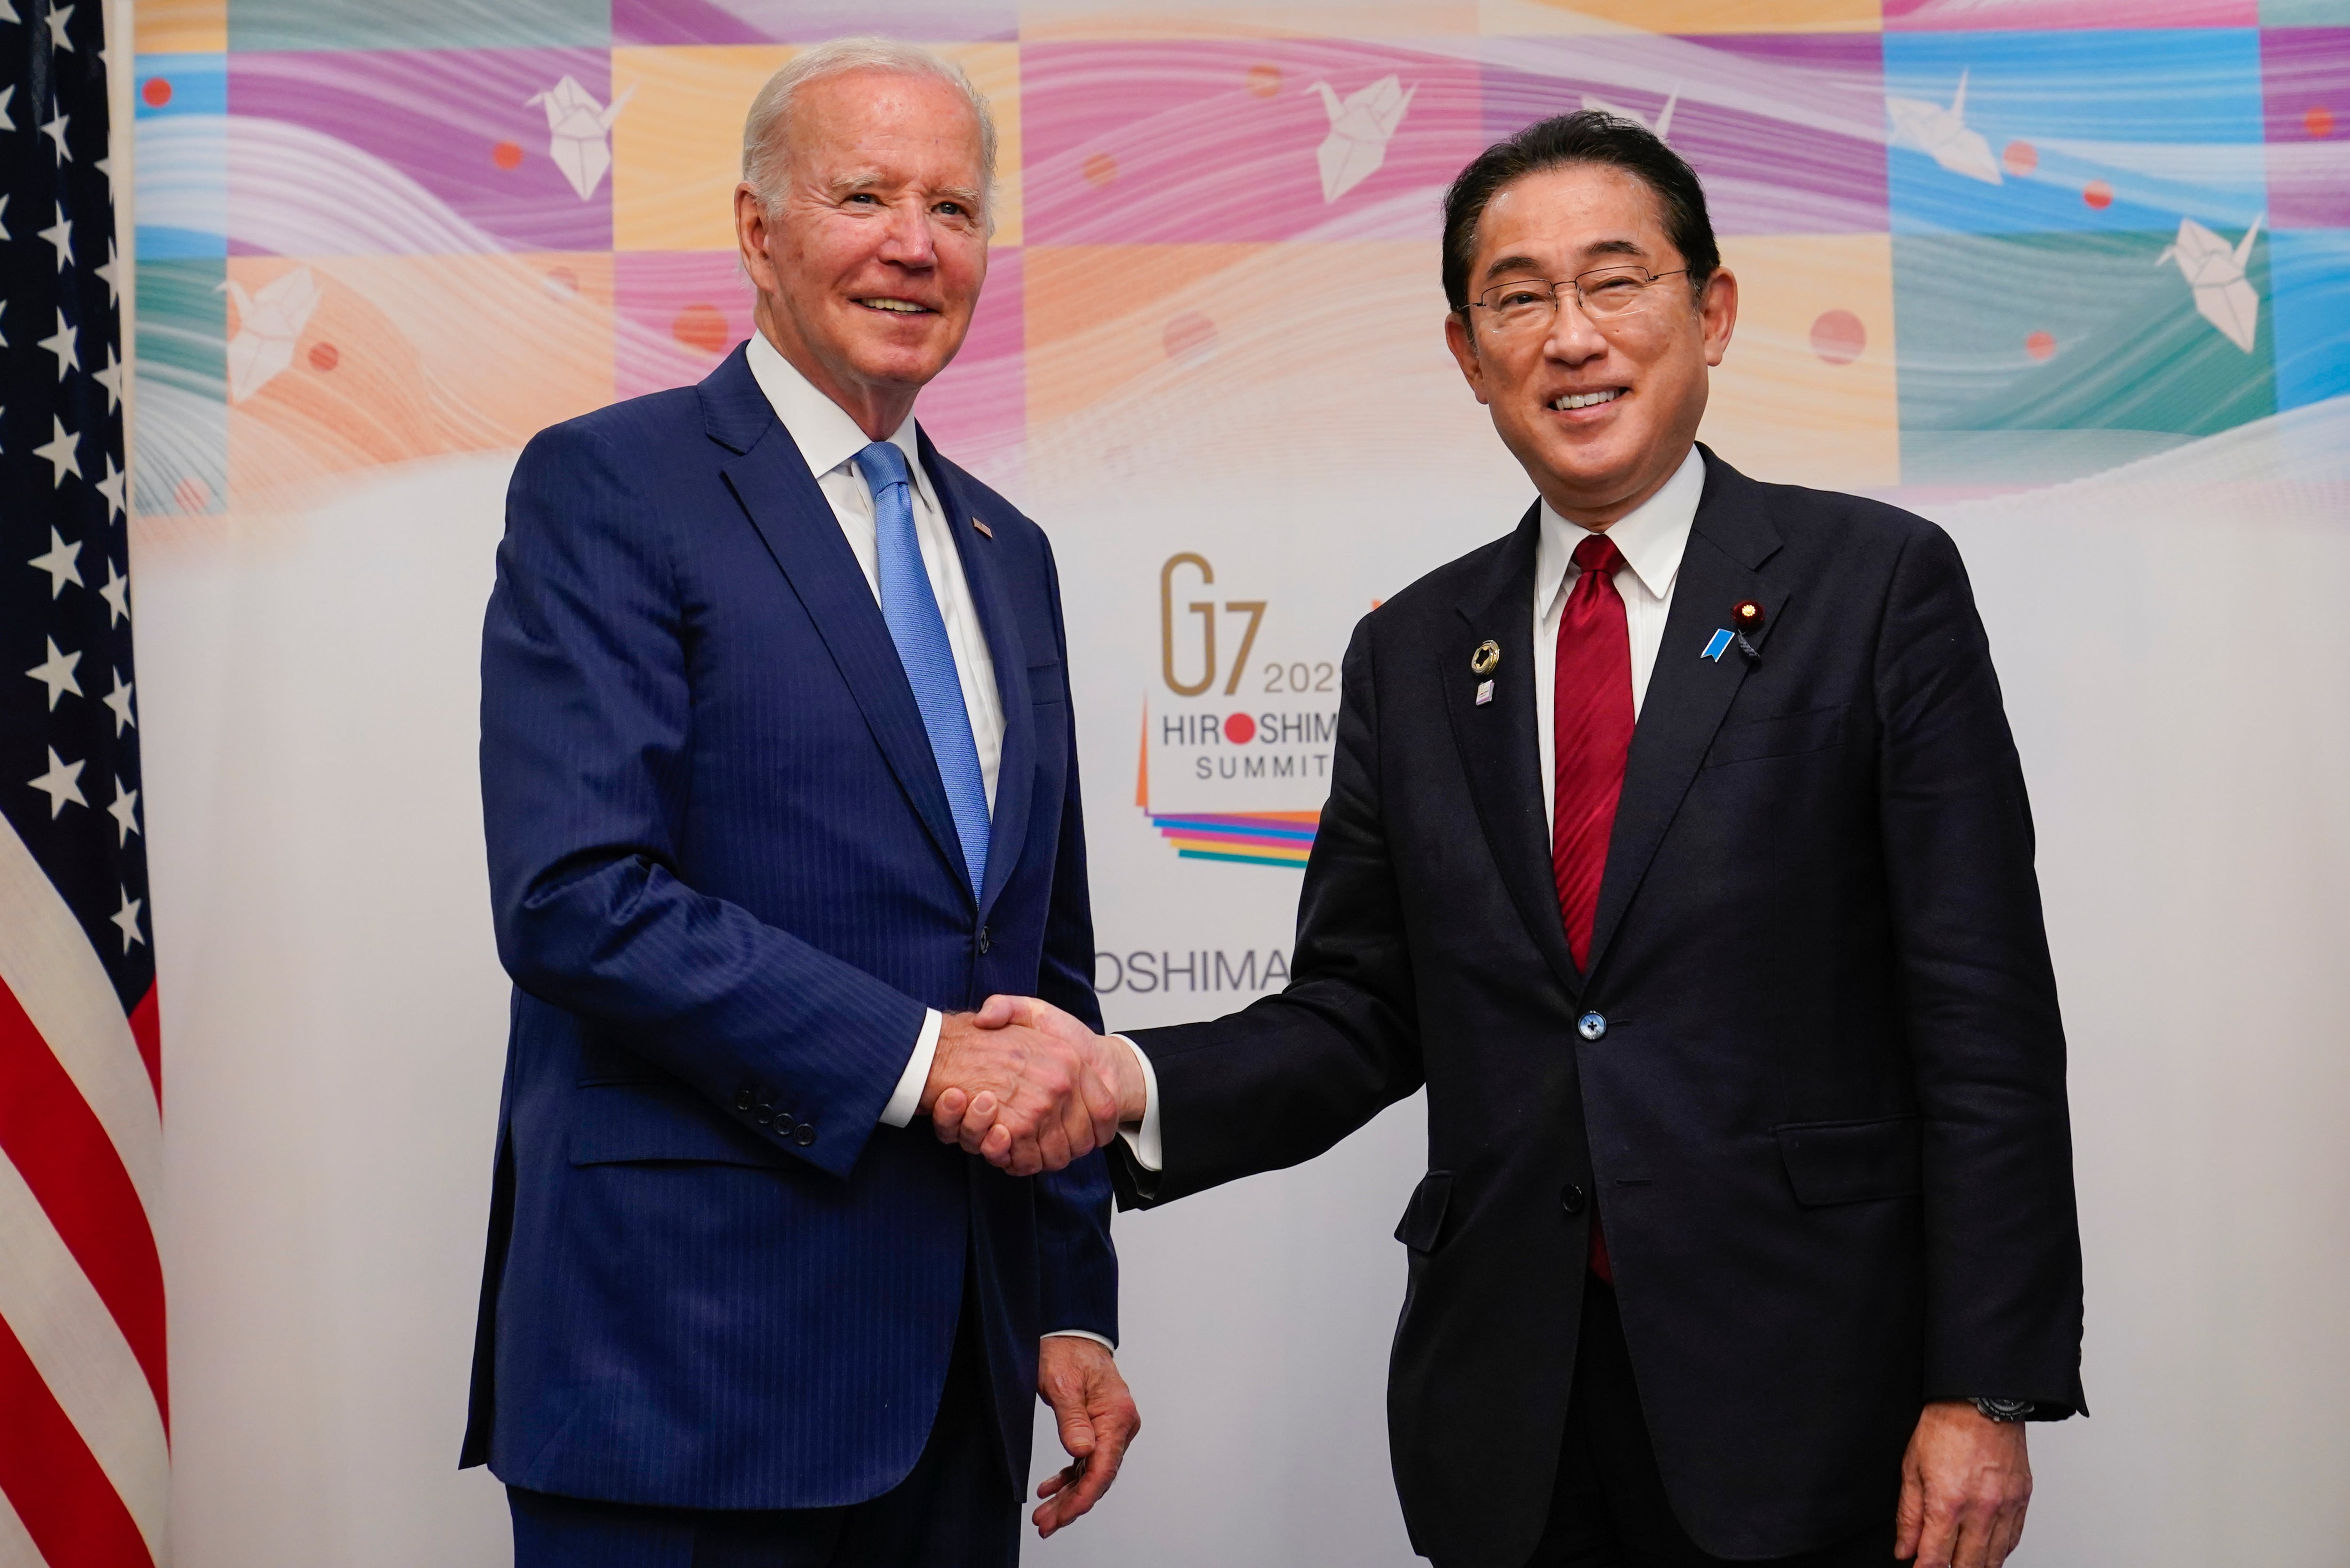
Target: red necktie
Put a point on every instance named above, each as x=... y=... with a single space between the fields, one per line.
x=1591 y=727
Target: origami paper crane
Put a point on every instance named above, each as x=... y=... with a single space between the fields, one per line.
x=2222 y=293
x=1360 y=129
x=577 y=127
x=269 y=323
x=1942 y=135
x=1663 y=126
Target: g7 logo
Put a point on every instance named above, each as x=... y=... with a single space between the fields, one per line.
x=1206 y=611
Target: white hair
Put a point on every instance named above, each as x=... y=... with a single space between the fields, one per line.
x=762 y=142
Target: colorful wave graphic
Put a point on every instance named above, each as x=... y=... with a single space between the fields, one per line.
x=1251 y=838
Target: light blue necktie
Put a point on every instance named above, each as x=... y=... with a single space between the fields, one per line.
x=921 y=634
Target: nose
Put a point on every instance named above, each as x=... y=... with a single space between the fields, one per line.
x=908 y=239
x=1574 y=340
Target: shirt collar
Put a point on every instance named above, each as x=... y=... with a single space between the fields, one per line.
x=825 y=435
x=1653 y=536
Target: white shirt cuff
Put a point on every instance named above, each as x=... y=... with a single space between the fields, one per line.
x=1143 y=1141
x=1081 y=1333
x=899 y=1111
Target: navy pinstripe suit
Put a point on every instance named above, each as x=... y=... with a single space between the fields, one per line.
x=727 y=886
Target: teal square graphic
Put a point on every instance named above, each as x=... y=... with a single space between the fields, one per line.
x=417 y=24
x=2031 y=358
x=180 y=461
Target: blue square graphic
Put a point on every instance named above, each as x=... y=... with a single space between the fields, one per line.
x=2310 y=269
x=180 y=124
x=2074 y=132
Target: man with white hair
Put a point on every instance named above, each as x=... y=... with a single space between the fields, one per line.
x=780 y=788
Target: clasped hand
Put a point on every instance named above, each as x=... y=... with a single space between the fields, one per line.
x=1026 y=1086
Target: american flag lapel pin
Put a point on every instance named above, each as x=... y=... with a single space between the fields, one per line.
x=986 y=532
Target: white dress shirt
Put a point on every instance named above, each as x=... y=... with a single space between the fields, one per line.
x=829 y=442
x=1652 y=536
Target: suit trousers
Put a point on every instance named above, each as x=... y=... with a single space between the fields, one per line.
x=1609 y=1509
x=956 y=1508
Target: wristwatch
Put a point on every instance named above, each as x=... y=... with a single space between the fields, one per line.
x=2004 y=1409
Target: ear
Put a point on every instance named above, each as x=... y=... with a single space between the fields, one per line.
x=1463 y=344
x=1718 y=311
x=752 y=230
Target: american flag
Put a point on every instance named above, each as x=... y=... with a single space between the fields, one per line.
x=84 y=1452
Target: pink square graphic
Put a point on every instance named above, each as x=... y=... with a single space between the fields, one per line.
x=1187 y=142
x=2305 y=94
x=2032 y=16
x=677 y=314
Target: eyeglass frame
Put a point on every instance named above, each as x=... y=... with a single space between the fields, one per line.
x=1576 y=281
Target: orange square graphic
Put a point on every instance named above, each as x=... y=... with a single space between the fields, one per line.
x=1507 y=17
x=348 y=362
x=181 y=27
x=1807 y=393
x=1091 y=20
x=677 y=150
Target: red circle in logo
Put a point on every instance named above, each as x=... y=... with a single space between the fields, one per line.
x=157 y=91
x=1239 y=729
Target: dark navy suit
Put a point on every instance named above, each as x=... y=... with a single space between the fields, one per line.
x=727 y=885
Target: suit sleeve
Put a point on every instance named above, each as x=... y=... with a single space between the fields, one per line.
x=1285 y=1078
x=586 y=708
x=1076 y=1262
x=1987 y=1044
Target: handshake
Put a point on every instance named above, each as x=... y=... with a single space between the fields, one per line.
x=1027 y=1086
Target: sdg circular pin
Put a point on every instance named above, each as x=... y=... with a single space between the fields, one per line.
x=1482 y=662
x=1746 y=616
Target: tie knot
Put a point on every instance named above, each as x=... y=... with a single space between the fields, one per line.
x=1597 y=553
x=883 y=465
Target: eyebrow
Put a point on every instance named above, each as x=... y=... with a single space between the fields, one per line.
x=1501 y=265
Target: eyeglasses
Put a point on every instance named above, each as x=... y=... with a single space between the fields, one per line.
x=1605 y=295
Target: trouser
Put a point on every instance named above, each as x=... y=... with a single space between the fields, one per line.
x=1609 y=1509
x=956 y=1508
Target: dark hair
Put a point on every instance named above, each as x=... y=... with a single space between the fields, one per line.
x=1589 y=136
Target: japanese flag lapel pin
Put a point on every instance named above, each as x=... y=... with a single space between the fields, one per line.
x=1482 y=662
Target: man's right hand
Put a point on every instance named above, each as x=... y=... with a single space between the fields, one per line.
x=1029 y=1098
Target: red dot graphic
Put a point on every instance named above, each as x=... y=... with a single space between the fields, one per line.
x=1239 y=729
x=506 y=155
x=1101 y=168
x=191 y=494
x=2097 y=194
x=702 y=327
x=2040 y=345
x=1264 y=80
x=157 y=92
x=1187 y=334
x=1838 y=337
x=2019 y=158
x=562 y=280
x=2318 y=121
x=325 y=355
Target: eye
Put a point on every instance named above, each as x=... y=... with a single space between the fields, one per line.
x=867 y=197
x=953 y=208
x=1517 y=298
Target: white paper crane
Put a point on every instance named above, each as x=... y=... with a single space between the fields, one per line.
x=1360 y=129
x=2222 y=293
x=1942 y=135
x=269 y=322
x=577 y=127
x=1663 y=126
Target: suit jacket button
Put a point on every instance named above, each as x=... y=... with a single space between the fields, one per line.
x=805 y=1136
x=983 y=940
x=742 y=1099
x=1591 y=1026
x=763 y=1116
x=1572 y=1199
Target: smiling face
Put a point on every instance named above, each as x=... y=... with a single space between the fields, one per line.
x=1599 y=418
x=870 y=260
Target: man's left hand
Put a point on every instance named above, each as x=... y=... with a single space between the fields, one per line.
x=1079 y=1379
x=1965 y=1484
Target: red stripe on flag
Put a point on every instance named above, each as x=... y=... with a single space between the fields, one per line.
x=146 y=1029
x=68 y=1506
x=60 y=1147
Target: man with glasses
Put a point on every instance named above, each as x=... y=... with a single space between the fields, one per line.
x=1677 y=844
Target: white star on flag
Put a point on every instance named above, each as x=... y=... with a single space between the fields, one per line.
x=60 y=234
x=57 y=19
x=113 y=289
x=56 y=673
x=5 y=94
x=55 y=130
x=62 y=563
x=125 y=812
x=118 y=700
x=110 y=378
x=4 y=201
x=61 y=344
x=61 y=450
x=117 y=594
x=111 y=487
x=61 y=784
x=126 y=917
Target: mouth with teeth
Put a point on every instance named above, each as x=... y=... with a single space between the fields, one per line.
x=896 y=306
x=1570 y=402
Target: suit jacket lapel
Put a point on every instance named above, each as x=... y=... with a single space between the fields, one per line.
x=772 y=481
x=1688 y=693
x=1015 y=774
x=1499 y=751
